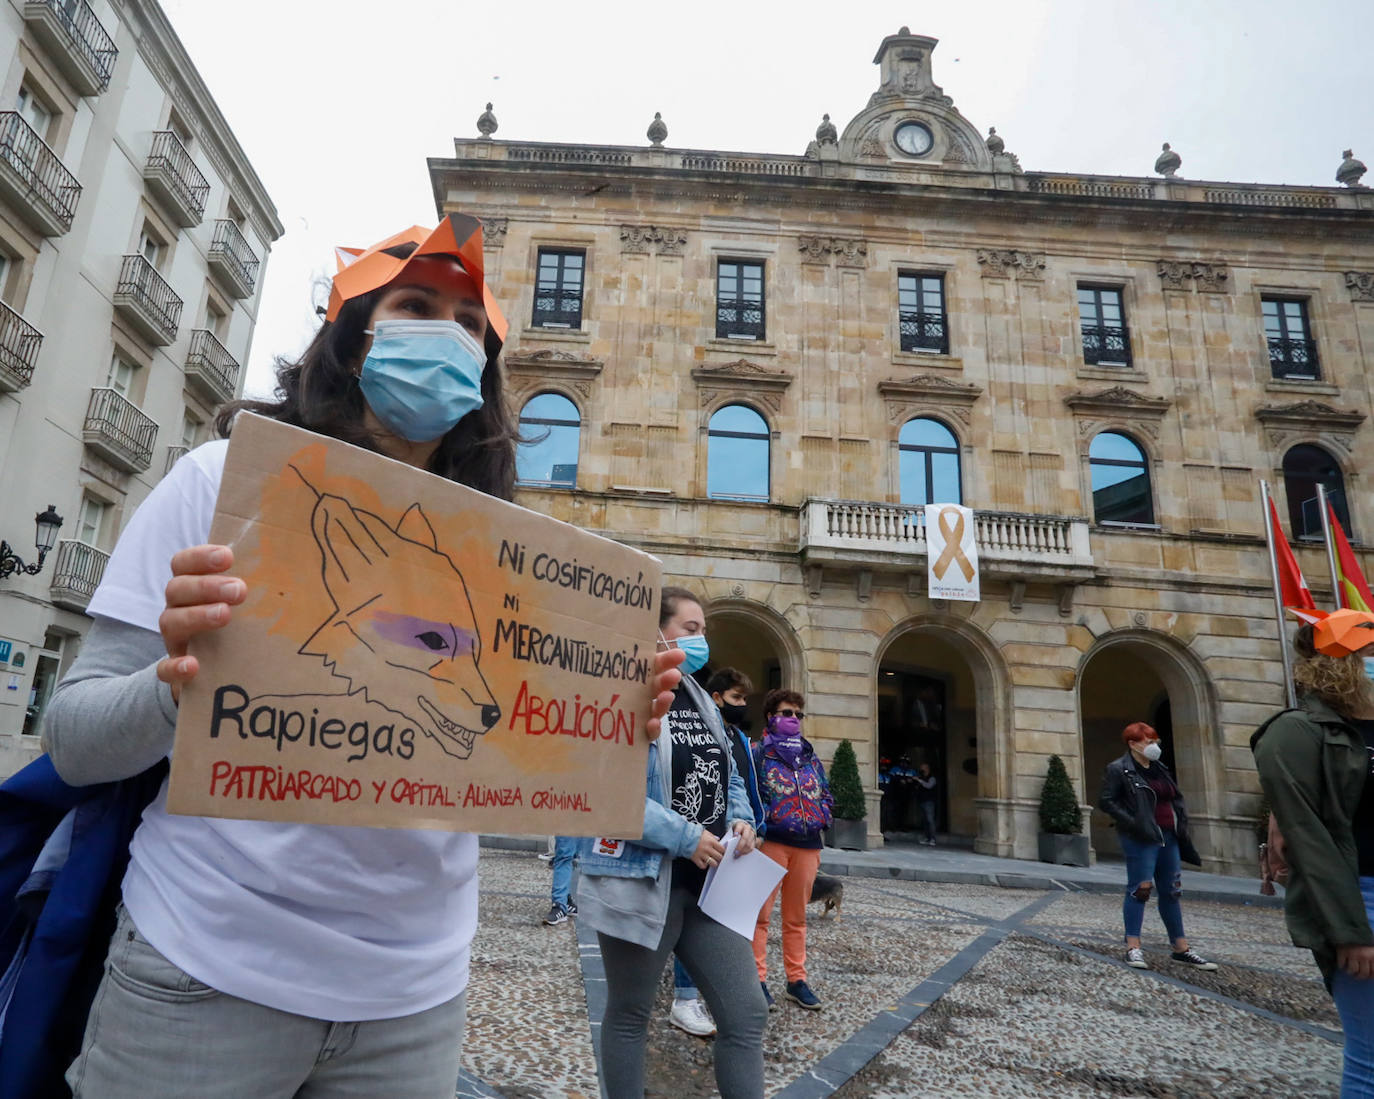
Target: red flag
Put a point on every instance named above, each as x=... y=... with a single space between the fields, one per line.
x=1291 y=580
x=1354 y=591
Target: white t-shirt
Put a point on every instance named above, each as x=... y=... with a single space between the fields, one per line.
x=342 y=924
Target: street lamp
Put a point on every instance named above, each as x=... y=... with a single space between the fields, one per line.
x=45 y=537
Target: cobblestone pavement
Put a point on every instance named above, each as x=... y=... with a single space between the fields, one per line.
x=931 y=989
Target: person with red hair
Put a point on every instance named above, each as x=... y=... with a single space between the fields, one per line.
x=1140 y=794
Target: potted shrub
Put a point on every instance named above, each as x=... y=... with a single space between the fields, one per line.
x=848 y=829
x=1061 y=821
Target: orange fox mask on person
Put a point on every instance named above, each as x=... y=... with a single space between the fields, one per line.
x=1339 y=633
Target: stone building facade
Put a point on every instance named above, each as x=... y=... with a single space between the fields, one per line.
x=759 y=366
x=134 y=236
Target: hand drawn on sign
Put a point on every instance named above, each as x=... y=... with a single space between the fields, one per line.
x=379 y=638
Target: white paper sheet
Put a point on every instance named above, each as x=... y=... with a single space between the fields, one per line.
x=736 y=888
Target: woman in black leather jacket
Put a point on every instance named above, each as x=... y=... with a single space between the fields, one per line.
x=1140 y=794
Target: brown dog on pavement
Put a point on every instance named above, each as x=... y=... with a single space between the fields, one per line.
x=828 y=891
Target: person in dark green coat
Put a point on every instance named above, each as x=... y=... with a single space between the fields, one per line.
x=1315 y=764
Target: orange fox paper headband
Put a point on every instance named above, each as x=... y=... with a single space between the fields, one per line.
x=363 y=270
x=1339 y=633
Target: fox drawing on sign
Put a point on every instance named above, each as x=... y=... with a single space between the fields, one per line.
x=412 y=649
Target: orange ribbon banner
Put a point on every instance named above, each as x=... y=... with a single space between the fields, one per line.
x=951 y=553
x=954 y=551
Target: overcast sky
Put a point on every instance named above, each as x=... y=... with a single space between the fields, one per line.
x=338 y=104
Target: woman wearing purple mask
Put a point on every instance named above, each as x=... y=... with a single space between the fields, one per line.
x=797 y=807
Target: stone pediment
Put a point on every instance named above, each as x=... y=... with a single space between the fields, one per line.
x=1310 y=414
x=742 y=378
x=1118 y=401
x=528 y=368
x=908 y=93
x=907 y=397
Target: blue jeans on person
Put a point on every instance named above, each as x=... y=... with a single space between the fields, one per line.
x=564 y=848
x=684 y=988
x=1160 y=864
x=1354 y=998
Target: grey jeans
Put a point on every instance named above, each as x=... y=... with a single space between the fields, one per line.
x=156 y=1031
x=721 y=963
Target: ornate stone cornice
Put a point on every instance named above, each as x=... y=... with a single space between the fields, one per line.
x=1291 y=423
x=1209 y=278
x=999 y=263
x=1118 y=401
x=646 y=238
x=845 y=251
x=527 y=369
x=907 y=397
x=1360 y=284
x=742 y=378
x=1118 y=405
x=1310 y=414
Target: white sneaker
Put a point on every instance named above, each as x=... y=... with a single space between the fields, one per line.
x=1135 y=958
x=692 y=1016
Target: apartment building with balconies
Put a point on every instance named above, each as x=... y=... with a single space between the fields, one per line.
x=133 y=237
x=761 y=367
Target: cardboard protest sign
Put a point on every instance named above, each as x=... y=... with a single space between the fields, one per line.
x=952 y=550
x=413 y=654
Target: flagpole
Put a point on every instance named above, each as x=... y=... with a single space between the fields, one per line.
x=1269 y=535
x=1336 y=592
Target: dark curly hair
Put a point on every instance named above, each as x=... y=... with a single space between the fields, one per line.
x=320 y=393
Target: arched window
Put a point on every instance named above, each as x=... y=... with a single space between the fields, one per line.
x=1304 y=468
x=928 y=456
x=552 y=424
x=737 y=454
x=1121 y=480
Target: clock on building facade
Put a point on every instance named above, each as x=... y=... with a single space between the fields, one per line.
x=914 y=139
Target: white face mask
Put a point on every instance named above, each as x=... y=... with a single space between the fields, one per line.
x=1152 y=751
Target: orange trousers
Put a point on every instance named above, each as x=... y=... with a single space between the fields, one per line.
x=801 y=866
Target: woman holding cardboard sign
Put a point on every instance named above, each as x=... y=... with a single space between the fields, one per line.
x=641 y=895
x=269 y=959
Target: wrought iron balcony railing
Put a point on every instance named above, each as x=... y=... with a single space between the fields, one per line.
x=35 y=177
x=739 y=319
x=148 y=300
x=231 y=256
x=19 y=344
x=175 y=176
x=1104 y=345
x=924 y=332
x=867 y=534
x=79 y=41
x=557 y=309
x=76 y=574
x=211 y=368
x=1290 y=358
x=119 y=431
x=174 y=455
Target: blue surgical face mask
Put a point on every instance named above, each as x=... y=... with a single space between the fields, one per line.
x=1369 y=666
x=697 y=650
x=421 y=377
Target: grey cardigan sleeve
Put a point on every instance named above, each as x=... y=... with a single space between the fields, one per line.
x=110 y=717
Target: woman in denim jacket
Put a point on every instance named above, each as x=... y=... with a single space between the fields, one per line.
x=641 y=895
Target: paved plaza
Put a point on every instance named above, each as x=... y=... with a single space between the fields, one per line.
x=935 y=988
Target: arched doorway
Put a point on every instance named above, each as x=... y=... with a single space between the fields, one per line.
x=940 y=698
x=757 y=642
x=1145 y=677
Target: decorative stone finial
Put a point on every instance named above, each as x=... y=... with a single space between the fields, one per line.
x=1350 y=170
x=994 y=143
x=657 y=131
x=826 y=134
x=486 y=123
x=1167 y=162
x=905 y=30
